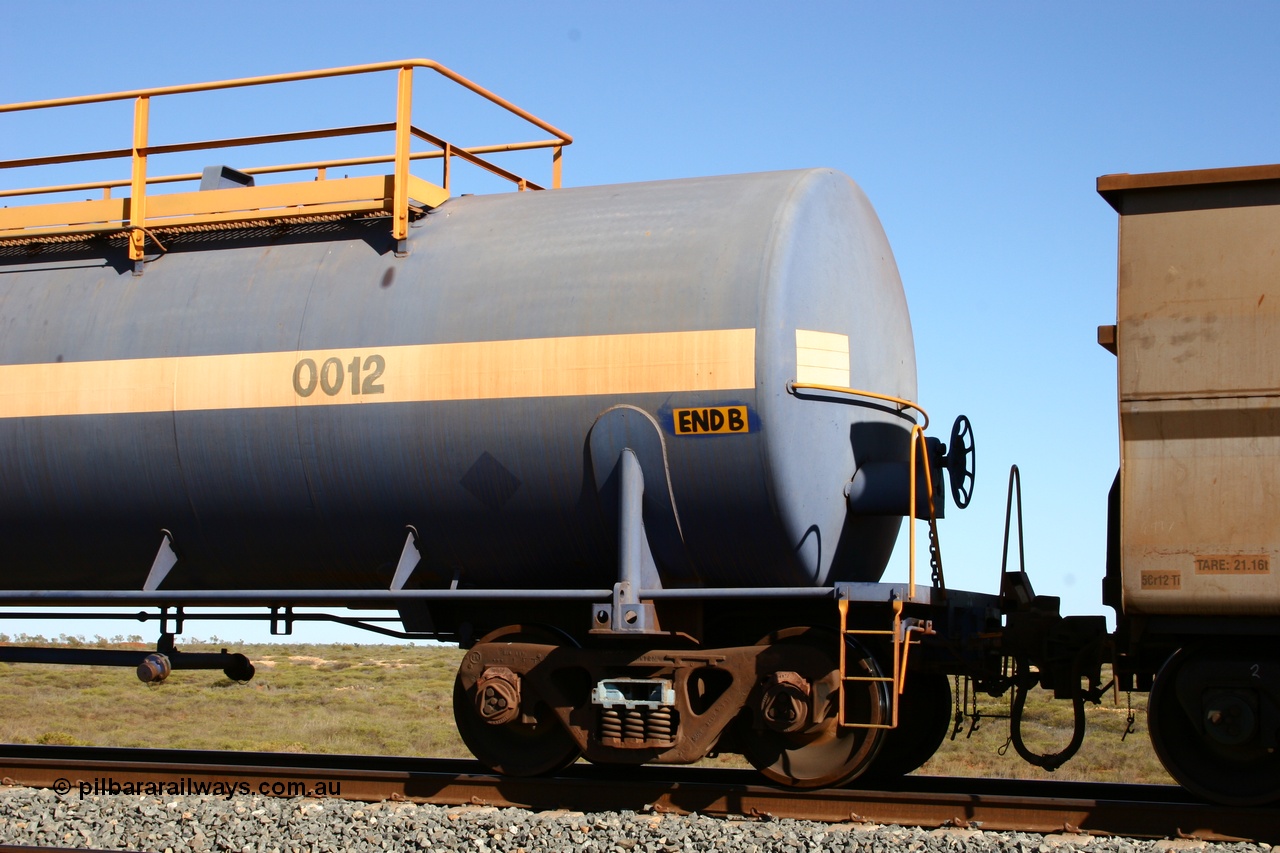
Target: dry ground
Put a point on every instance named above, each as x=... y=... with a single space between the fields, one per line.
x=396 y=700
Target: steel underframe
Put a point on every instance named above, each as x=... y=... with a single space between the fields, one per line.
x=382 y=598
x=170 y=605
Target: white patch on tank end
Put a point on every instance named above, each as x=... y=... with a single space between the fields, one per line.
x=822 y=358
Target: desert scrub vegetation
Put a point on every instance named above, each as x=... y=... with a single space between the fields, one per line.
x=388 y=700
x=1108 y=753
x=397 y=700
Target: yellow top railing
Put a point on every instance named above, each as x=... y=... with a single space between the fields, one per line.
x=139 y=214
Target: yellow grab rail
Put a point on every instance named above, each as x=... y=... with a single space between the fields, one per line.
x=794 y=386
x=917 y=436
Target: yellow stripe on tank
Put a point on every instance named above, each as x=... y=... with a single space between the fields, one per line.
x=716 y=360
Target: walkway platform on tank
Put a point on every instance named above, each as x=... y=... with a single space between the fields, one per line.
x=230 y=198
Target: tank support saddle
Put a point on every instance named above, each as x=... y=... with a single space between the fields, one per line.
x=636 y=567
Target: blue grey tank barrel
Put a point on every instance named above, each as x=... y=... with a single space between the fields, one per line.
x=286 y=407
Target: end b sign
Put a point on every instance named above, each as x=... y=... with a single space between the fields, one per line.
x=719 y=420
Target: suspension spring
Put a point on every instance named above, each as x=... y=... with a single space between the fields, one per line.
x=633 y=724
x=610 y=724
x=660 y=726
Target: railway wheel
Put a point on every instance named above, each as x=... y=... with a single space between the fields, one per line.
x=924 y=718
x=792 y=732
x=1214 y=720
x=507 y=727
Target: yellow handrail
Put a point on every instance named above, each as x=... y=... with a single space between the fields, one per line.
x=404 y=131
x=342 y=71
x=316 y=165
x=794 y=386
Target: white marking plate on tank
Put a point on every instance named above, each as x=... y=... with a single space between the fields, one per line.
x=822 y=358
x=656 y=362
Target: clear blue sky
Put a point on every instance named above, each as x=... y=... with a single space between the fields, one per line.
x=977 y=130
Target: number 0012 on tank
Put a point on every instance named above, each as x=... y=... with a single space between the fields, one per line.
x=714 y=420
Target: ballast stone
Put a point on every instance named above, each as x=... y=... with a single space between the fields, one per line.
x=205 y=823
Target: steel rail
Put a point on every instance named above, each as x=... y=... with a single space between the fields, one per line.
x=1150 y=811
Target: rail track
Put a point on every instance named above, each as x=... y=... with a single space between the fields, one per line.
x=1141 y=811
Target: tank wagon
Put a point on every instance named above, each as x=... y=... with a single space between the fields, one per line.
x=643 y=450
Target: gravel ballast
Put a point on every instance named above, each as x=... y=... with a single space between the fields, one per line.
x=208 y=823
